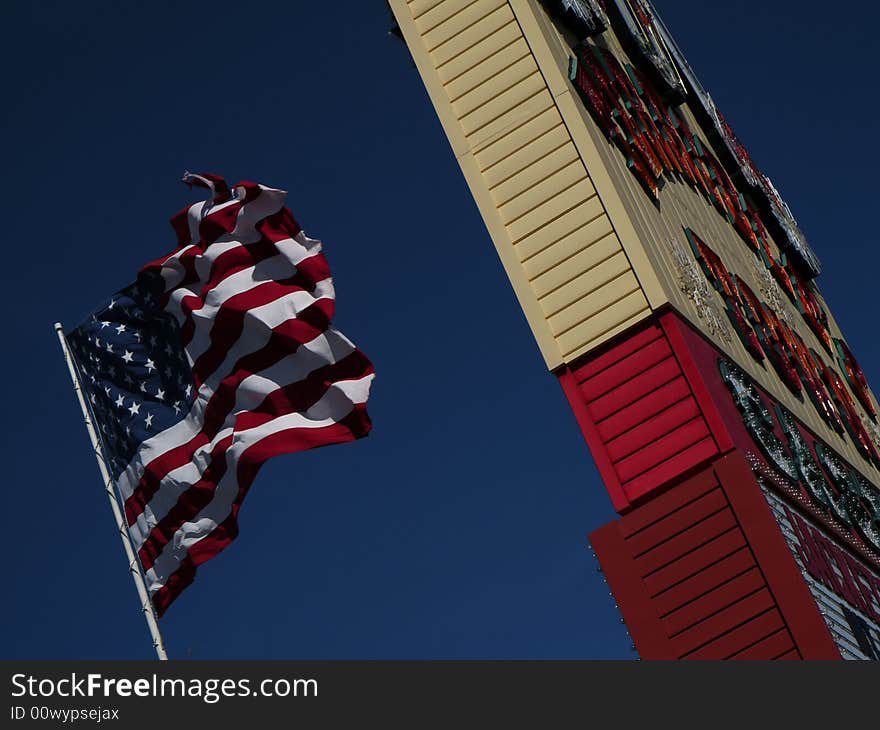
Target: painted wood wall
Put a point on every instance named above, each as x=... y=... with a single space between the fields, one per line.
x=702 y=572
x=574 y=279
x=642 y=420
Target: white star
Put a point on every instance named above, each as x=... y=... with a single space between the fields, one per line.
x=151 y=366
x=97 y=342
x=112 y=304
x=120 y=329
x=177 y=406
x=104 y=324
x=160 y=394
x=144 y=387
x=109 y=347
x=120 y=401
x=137 y=336
x=149 y=420
x=188 y=390
x=107 y=391
x=153 y=341
x=127 y=356
x=135 y=408
x=93 y=397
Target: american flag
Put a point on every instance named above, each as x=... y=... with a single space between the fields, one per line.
x=218 y=357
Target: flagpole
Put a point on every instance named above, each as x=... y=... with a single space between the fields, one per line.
x=110 y=489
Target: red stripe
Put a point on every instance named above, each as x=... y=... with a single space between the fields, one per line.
x=180 y=224
x=175 y=585
x=251 y=190
x=279 y=225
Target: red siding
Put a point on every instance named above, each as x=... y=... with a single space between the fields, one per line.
x=698 y=574
x=639 y=415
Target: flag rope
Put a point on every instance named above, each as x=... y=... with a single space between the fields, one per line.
x=110 y=489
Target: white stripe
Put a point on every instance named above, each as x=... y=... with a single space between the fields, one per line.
x=333 y=407
x=194 y=216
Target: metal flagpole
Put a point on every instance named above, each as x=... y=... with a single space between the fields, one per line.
x=110 y=488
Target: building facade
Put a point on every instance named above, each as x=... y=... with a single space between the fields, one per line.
x=673 y=295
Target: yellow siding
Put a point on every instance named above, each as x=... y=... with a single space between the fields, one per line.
x=522 y=147
x=455 y=44
x=551 y=228
x=570 y=223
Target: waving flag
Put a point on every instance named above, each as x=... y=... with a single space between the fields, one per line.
x=217 y=358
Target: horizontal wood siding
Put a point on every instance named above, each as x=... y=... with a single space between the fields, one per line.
x=702 y=592
x=644 y=420
x=561 y=251
x=702 y=572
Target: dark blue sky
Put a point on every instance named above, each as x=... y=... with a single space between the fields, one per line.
x=458 y=529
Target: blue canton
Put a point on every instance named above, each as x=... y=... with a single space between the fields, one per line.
x=135 y=375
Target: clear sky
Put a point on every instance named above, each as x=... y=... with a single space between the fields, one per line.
x=458 y=528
